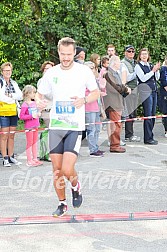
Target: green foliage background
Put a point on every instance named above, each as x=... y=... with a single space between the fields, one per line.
x=30 y=30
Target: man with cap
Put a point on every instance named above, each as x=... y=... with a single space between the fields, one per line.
x=131 y=99
x=80 y=55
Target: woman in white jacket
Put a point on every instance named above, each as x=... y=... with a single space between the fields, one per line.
x=9 y=93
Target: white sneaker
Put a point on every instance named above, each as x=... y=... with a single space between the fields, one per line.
x=165 y=134
x=6 y=162
x=14 y=161
x=133 y=139
x=122 y=143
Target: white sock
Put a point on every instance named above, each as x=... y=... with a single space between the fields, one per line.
x=62 y=202
x=75 y=188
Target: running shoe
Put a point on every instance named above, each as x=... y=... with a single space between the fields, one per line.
x=60 y=211
x=77 y=196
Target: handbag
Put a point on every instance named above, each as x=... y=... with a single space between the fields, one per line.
x=7 y=109
x=18 y=106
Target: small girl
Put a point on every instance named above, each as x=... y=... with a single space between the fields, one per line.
x=30 y=115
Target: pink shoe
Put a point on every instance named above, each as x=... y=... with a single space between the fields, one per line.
x=38 y=162
x=31 y=163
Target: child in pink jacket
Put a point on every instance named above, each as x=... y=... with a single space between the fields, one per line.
x=29 y=113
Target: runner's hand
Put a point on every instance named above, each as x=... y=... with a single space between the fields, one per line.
x=78 y=102
x=41 y=104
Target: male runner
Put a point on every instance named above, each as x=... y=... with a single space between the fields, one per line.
x=67 y=82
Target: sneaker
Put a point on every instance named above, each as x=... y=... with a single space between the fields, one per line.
x=77 y=196
x=122 y=143
x=60 y=211
x=1 y=157
x=102 y=152
x=152 y=142
x=96 y=154
x=165 y=134
x=13 y=160
x=6 y=162
x=133 y=139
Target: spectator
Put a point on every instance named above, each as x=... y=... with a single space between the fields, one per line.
x=132 y=99
x=9 y=94
x=80 y=58
x=95 y=58
x=147 y=75
x=114 y=102
x=45 y=113
x=92 y=118
x=163 y=92
x=102 y=80
x=111 y=50
x=103 y=92
x=30 y=115
x=80 y=55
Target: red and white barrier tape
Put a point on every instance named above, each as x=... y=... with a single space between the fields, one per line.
x=104 y=122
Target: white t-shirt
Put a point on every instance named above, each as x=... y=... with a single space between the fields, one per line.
x=64 y=84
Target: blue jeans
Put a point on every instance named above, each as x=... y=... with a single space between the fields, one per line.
x=93 y=130
x=149 y=106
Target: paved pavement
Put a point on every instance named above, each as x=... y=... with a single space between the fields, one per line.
x=131 y=182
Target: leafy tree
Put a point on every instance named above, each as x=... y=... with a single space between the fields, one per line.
x=30 y=29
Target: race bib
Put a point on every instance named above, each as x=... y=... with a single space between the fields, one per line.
x=64 y=116
x=64 y=107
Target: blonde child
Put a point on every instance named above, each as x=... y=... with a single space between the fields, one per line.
x=30 y=115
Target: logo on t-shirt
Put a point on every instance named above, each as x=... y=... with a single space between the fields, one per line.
x=55 y=80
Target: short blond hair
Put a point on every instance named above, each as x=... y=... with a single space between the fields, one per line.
x=6 y=64
x=27 y=90
x=66 y=41
x=111 y=46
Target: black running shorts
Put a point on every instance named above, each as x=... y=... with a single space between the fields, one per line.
x=61 y=141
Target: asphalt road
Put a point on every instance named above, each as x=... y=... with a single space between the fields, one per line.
x=132 y=182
